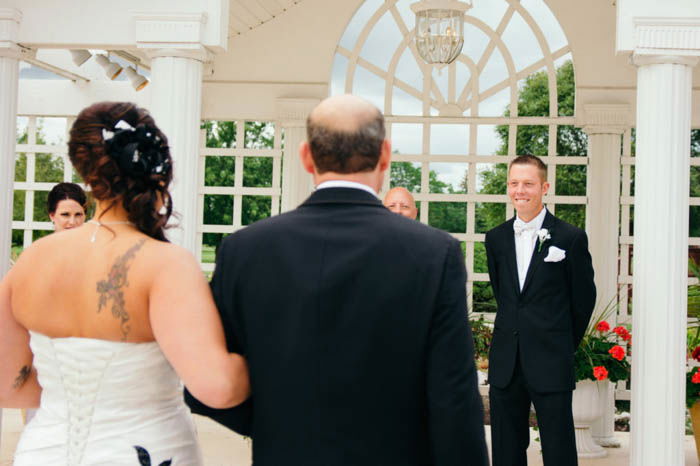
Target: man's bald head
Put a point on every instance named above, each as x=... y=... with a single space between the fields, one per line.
x=400 y=201
x=345 y=134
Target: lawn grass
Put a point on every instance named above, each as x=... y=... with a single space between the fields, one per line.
x=208 y=254
x=15 y=252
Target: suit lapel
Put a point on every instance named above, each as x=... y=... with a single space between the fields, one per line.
x=510 y=254
x=538 y=256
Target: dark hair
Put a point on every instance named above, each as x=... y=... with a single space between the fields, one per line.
x=120 y=152
x=530 y=160
x=63 y=191
x=346 y=152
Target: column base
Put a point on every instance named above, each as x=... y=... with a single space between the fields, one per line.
x=607 y=442
x=585 y=446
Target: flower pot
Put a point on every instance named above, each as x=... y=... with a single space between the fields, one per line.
x=695 y=419
x=587 y=409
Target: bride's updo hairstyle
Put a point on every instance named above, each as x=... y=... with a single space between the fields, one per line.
x=119 y=151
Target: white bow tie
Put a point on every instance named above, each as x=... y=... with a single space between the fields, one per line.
x=519 y=227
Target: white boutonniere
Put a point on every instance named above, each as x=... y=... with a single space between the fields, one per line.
x=542 y=236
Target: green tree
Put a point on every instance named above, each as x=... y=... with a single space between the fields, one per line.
x=448 y=216
x=220 y=171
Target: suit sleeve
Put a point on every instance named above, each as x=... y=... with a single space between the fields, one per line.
x=492 y=265
x=456 y=418
x=581 y=285
x=238 y=418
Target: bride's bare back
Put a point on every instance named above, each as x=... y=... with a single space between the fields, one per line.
x=126 y=287
x=68 y=286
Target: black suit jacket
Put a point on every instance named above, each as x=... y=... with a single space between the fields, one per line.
x=353 y=322
x=546 y=321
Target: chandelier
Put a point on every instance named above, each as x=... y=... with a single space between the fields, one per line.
x=439 y=32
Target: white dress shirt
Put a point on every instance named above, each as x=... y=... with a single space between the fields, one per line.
x=525 y=243
x=346 y=184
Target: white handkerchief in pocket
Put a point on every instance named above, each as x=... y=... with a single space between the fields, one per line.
x=555 y=254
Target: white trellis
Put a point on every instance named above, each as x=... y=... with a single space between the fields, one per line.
x=626 y=239
x=30 y=188
x=237 y=192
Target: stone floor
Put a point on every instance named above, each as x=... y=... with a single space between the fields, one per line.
x=223 y=448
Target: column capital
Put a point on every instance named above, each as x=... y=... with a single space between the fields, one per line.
x=606 y=118
x=667 y=36
x=10 y=19
x=644 y=59
x=292 y=112
x=199 y=54
x=172 y=35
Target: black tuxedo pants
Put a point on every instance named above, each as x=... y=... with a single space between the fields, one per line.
x=510 y=435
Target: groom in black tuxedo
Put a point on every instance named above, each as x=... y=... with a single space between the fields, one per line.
x=542 y=278
x=352 y=319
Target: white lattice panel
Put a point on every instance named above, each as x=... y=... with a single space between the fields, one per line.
x=238 y=192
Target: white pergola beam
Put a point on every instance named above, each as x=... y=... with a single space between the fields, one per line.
x=51 y=24
x=642 y=26
x=38 y=96
x=56 y=70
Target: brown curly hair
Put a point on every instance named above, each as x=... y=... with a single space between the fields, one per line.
x=138 y=194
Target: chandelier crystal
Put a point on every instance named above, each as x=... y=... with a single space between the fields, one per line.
x=439 y=32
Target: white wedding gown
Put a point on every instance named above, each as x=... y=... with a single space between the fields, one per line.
x=106 y=403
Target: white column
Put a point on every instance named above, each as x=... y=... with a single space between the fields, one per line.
x=9 y=83
x=297 y=184
x=605 y=124
x=660 y=259
x=176 y=93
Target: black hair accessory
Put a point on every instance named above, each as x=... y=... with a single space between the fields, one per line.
x=139 y=152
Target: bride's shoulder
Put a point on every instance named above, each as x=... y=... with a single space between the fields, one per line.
x=37 y=249
x=169 y=255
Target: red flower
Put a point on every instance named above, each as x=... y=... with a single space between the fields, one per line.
x=622 y=332
x=600 y=372
x=696 y=353
x=602 y=326
x=696 y=377
x=617 y=352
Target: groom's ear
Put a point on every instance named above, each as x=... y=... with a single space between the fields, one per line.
x=545 y=188
x=307 y=160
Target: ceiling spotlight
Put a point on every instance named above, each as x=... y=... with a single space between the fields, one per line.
x=80 y=56
x=111 y=69
x=137 y=81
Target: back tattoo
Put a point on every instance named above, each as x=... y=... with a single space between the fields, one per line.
x=113 y=288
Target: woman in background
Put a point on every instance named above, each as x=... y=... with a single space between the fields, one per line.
x=66 y=205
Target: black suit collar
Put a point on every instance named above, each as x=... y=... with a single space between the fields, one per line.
x=342 y=196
